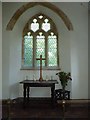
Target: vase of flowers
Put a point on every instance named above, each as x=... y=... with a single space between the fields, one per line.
x=64 y=78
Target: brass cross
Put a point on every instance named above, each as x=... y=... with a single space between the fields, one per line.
x=41 y=78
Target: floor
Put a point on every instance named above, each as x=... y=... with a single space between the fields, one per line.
x=43 y=109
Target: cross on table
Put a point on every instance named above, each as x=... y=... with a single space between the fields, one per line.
x=40 y=66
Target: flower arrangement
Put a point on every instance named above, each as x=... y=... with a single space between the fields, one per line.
x=64 y=78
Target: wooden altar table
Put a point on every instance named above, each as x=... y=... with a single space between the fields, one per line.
x=31 y=83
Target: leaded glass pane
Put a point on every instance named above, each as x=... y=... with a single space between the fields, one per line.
x=40 y=48
x=52 y=50
x=46 y=25
x=34 y=25
x=52 y=56
x=40 y=16
x=52 y=43
x=38 y=62
x=28 y=50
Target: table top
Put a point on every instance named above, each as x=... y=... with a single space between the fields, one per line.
x=37 y=81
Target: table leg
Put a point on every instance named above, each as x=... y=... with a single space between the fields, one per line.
x=24 y=95
x=28 y=93
x=52 y=93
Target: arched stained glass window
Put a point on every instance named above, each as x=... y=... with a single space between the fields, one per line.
x=40 y=37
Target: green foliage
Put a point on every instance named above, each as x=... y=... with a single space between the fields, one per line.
x=64 y=77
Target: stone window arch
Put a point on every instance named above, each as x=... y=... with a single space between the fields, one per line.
x=26 y=6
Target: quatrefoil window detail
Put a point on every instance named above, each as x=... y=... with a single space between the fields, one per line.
x=46 y=25
x=34 y=25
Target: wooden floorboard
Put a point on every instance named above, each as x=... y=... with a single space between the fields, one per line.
x=42 y=109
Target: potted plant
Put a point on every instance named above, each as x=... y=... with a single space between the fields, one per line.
x=64 y=78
